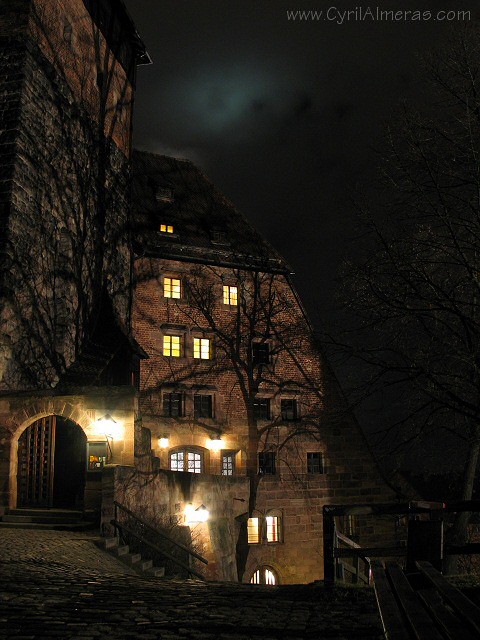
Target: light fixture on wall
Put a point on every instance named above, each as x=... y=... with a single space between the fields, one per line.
x=163 y=441
x=110 y=427
x=216 y=443
x=196 y=516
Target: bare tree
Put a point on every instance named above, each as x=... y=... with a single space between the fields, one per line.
x=263 y=346
x=412 y=292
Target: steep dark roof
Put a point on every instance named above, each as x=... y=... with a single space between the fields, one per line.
x=207 y=227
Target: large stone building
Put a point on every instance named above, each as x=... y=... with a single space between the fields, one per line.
x=153 y=349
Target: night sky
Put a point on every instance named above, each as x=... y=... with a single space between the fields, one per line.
x=282 y=115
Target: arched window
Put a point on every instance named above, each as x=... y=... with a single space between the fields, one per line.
x=264 y=575
x=189 y=459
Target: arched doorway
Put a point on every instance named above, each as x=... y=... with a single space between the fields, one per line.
x=51 y=464
x=264 y=575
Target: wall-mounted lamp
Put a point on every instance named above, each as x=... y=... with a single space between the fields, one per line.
x=110 y=427
x=216 y=443
x=195 y=516
x=163 y=442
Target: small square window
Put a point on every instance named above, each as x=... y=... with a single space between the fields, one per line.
x=289 y=410
x=172 y=346
x=228 y=463
x=260 y=353
x=315 y=462
x=266 y=463
x=172 y=288
x=202 y=406
x=173 y=404
x=166 y=228
x=202 y=348
x=230 y=295
x=261 y=408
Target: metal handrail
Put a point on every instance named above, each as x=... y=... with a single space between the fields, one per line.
x=123 y=527
x=160 y=533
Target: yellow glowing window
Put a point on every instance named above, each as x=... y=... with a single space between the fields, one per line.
x=230 y=295
x=253 y=530
x=166 y=228
x=172 y=346
x=272 y=529
x=201 y=348
x=171 y=288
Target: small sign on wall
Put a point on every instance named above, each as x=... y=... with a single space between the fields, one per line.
x=96 y=456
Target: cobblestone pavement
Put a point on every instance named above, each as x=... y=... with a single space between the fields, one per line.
x=58 y=584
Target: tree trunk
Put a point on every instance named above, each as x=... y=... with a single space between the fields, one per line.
x=457 y=534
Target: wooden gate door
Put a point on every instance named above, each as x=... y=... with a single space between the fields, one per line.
x=36 y=451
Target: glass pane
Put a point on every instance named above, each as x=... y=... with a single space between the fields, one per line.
x=252 y=530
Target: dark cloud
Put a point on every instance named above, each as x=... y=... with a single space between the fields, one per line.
x=281 y=115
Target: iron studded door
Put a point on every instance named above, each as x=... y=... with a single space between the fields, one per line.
x=36 y=449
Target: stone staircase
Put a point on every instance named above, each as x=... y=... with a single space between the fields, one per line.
x=133 y=560
x=57 y=519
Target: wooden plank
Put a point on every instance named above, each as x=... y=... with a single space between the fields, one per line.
x=450 y=624
x=393 y=623
x=421 y=623
x=466 y=609
x=371 y=552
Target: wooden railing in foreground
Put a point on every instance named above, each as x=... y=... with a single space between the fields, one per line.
x=425 y=537
x=122 y=527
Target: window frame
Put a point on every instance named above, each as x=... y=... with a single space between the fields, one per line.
x=199 y=399
x=228 y=455
x=170 y=289
x=262 y=409
x=186 y=452
x=166 y=229
x=261 y=353
x=267 y=463
x=200 y=340
x=168 y=396
x=230 y=297
x=173 y=353
x=311 y=470
x=289 y=414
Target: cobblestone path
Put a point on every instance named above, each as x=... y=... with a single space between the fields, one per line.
x=58 y=584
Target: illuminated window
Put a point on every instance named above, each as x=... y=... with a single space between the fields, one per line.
x=261 y=408
x=273 y=528
x=260 y=353
x=172 y=288
x=228 y=463
x=201 y=348
x=230 y=295
x=266 y=463
x=202 y=406
x=288 y=410
x=186 y=460
x=172 y=346
x=173 y=404
x=253 y=530
x=264 y=576
x=166 y=228
x=315 y=462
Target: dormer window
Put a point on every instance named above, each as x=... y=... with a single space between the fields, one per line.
x=220 y=237
x=166 y=228
x=164 y=194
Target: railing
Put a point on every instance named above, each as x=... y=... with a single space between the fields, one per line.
x=144 y=526
x=425 y=538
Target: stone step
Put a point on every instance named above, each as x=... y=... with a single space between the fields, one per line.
x=49 y=513
x=40 y=519
x=134 y=560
